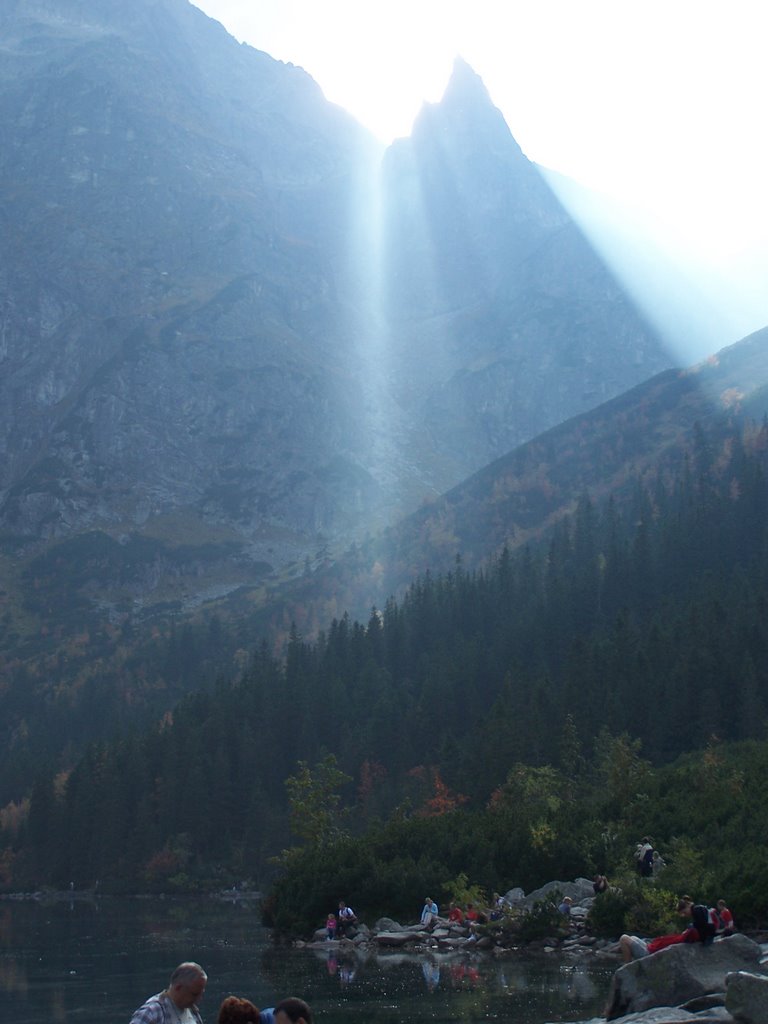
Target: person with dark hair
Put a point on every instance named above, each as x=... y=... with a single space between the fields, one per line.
x=238 y=1011
x=599 y=884
x=644 y=857
x=632 y=947
x=177 y=1003
x=347 y=918
x=288 y=1011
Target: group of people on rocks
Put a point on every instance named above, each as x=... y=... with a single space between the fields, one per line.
x=177 y=1004
x=704 y=925
x=341 y=922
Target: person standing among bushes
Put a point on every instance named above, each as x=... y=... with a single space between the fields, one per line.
x=644 y=858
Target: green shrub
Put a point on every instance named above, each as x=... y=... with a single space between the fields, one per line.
x=652 y=911
x=543 y=919
x=608 y=916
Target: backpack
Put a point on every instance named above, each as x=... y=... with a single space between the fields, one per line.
x=703 y=923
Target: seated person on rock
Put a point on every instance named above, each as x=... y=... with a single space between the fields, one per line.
x=565 y=907
x=632 y=947
x=455 y=914
x=727 y=924
x=347 y=917
x=429 y=913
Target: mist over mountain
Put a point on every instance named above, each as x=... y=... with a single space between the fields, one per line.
x=231 y=334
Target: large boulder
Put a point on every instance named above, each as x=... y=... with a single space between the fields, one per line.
x=578 y=890
x=746 y=997
x=670 y=1015
x=679 y=973
x=387 y=924
x=396 y=939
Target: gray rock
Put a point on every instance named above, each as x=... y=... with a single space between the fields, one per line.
x=515 y=897
x=677 y=974
x=396 y=939
x=746 y=997
x=704 y=1002
x=578 y=890
x=386 y=924
x=670 y=1015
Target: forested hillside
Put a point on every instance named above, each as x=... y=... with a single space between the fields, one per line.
x=644 y=614
x=69 y=675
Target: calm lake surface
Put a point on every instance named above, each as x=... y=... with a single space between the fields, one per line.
x=94 y=962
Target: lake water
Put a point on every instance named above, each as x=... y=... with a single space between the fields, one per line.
x=94 y=962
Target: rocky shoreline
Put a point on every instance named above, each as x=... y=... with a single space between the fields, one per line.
x=721 y=983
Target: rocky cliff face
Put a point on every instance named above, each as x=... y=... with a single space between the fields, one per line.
x=218 y=320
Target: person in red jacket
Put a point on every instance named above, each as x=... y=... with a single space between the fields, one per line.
x=727 y=924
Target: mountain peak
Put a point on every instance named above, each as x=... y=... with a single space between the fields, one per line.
x=466 y=112
x=466 y=83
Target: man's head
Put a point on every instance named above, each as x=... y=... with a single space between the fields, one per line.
x=187 y=984
x=293 y=1011
x=685 y=906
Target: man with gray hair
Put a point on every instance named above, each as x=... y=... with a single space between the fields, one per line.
x=177 y=1003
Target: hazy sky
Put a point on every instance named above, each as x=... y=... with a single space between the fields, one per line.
x=660 y=104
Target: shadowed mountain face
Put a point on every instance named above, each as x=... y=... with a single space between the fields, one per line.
x=224 y=325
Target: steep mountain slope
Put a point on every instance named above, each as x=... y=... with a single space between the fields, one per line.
x=227 y=340
x=520 y=497
x=73 y=668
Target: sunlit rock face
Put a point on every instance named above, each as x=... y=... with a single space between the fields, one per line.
x=214 y=312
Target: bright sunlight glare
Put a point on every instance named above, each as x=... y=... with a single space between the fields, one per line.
x=657 y=108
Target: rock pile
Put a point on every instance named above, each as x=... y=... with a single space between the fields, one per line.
x=568 y=934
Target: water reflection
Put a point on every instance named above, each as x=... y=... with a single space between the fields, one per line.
x=98 y=961
x=461 y=986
